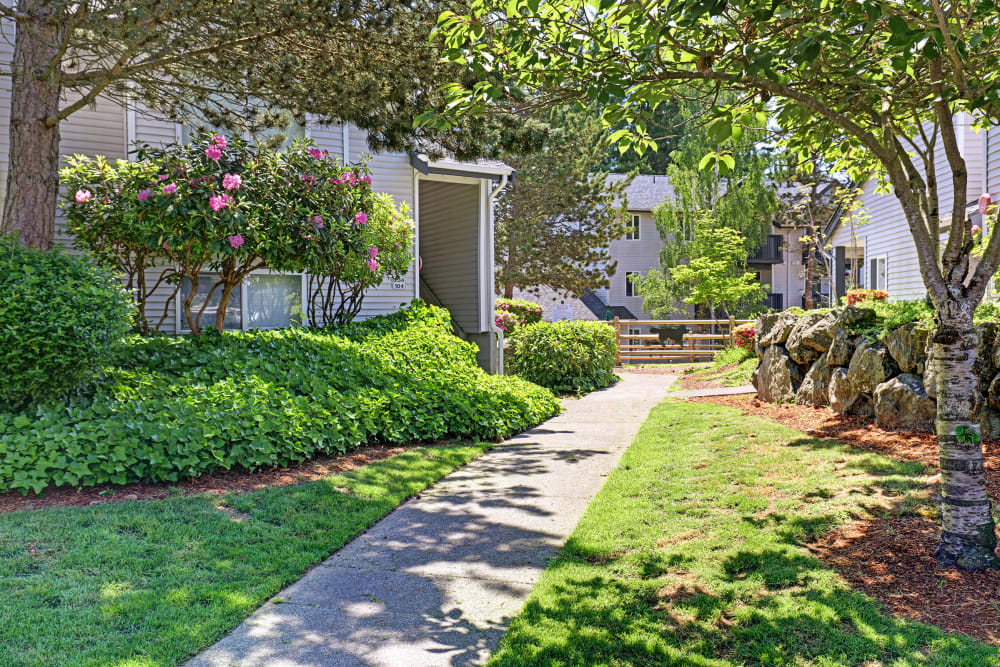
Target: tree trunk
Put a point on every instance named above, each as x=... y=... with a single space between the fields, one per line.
x=220 y=314
x=508 y=291
x=33 y=166
x=968 y=540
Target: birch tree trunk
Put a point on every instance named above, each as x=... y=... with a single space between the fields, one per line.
x=33 y=164
x=968 y=540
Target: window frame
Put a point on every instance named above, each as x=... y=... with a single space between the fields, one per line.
x=633 y=233
x=181 y=324
x=629 y=285
x=881 y=271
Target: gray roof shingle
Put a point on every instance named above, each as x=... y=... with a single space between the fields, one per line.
x=646 y=191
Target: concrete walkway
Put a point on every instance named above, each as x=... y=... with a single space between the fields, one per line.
x=437 y=581
x=714 y=391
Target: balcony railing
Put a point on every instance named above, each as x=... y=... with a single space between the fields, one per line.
x=770 y=252
x=775 y=302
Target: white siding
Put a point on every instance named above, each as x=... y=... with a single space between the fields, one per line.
x=449 y=244
x=992 y=158
x=787 y=278
x=886 y=233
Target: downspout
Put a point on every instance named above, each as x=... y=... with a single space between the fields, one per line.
x=497 y=330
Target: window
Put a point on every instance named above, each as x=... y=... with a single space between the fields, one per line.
x=879 y=273
x=263 y=301
x=634 y=331
x=633 y=229
x=630 y=277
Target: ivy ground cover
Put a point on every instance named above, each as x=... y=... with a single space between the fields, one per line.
x=172 y=408
x=694 y=553
x=151 y=583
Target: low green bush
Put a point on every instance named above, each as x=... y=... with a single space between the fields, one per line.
x=60 y=317
x=564 y=356
x=733 y=354
x=172 y=408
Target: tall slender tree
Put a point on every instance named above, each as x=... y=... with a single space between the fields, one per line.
x=874 y=85
x=555 y=223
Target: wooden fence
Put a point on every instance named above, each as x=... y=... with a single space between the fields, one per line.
x=637 y=344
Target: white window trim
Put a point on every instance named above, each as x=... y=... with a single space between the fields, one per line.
x=629 y=286
x=884 y=260
x=181 y=326
x=633 y=233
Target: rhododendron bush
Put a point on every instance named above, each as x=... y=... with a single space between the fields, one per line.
x=222 y=205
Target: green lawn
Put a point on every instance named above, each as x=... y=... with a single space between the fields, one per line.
x=690 y=555
x=151 y=583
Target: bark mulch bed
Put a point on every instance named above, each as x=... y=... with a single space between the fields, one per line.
x=216 y=484
x=891 y=558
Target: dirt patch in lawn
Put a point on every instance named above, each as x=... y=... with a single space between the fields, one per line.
x=891 y=558
x=216 y=484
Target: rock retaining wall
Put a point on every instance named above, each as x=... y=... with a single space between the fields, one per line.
x=816 y=359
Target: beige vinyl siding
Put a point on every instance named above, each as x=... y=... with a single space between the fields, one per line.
x=151 y=130
x=634 y=255
x=449 y=244
x=887 y=232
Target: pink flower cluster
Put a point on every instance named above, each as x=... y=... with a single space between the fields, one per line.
x=219 y=202
x=317 y=222
x=143 y=195
x=308 y=179
x=236 y=241
x=213 y=153
x=316 y=153
x=232 y=181
x=372 y=261
x=360 y=218
x=170 y=188
x=83 y=196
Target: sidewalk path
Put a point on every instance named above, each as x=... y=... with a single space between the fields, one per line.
x=437 y=581
x=714 y=391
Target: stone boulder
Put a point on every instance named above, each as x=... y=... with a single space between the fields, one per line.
x=778 y=329
x=841 y=349
x=777 y=377
x=852 y=315
x=902 y=403
x=870 y=366
x=806 y=340
x=985 y=367
x=989 y=422
x=908 y=347
x=844 y=398
x=815 y=385
x=930 y=370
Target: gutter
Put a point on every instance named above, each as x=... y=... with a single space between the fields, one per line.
x=493 y=327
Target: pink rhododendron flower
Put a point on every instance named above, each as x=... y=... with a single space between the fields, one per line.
x=360 y=218
x=219 y=202
x=220 y=141
x=163 y=177
x=366 y=179
x=213 y=152
x=373 y=252
x=984 y=202
x=83 y=196
x=308 y=179
x=317 y=222
x=315 y=153
x=308 y=237
x=236 y=240
x=232 y=181
x=143 y=195
x=170 y=188
x=372 y=264
x=336 y=181
x=976 y=230
x=399 y=246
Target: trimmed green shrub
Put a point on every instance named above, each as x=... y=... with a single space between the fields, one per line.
x=564 y=356
x=60 y=317
x=172 y=408
x=509 y=314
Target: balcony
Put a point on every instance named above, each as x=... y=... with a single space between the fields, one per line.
x=770 y=252
x=775 y=302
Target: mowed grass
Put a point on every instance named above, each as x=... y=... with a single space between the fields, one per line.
x=151 y=583
x=691 y=555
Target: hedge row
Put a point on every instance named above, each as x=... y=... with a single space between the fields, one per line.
x=174 y=408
